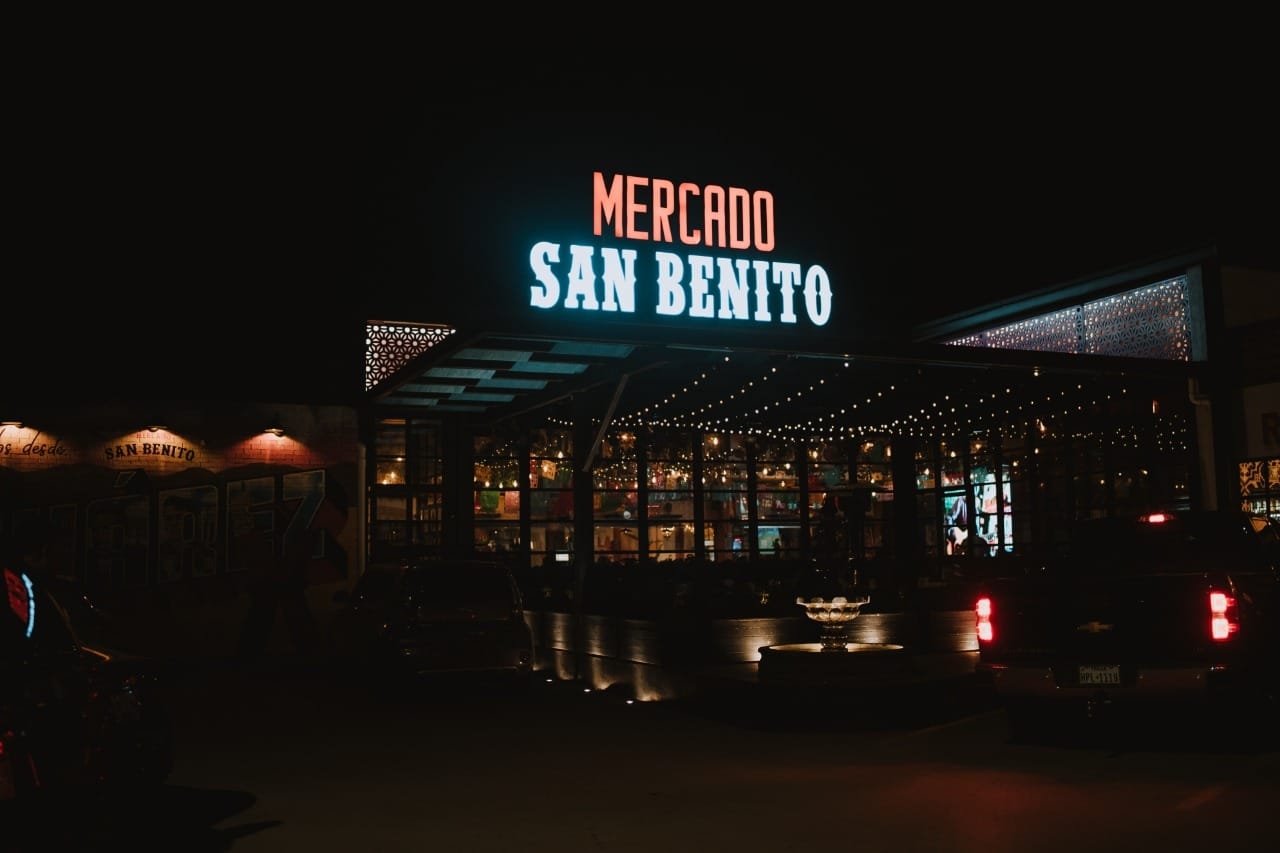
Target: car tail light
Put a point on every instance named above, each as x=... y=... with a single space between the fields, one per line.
x=1222 y=608
x=982 y=609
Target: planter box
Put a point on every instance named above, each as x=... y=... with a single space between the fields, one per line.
x=713 y=641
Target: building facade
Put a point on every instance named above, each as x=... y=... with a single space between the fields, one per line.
x=668 y=379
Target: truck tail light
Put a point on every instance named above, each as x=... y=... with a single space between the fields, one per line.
x=982 y=609
x=1222 y=609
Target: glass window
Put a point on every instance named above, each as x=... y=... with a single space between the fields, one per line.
x=926 y=468
x=725 y=540
x=931 y=532
x=551 y=475
x=426 y=454
x=550 y=541
x=407 y=497
x=390 y=438
x=675 y=445
x=828 y=466
x=778 y=492
x=957 y=524
x=875 y=465
x=616 y=477
x=391 y=471
x=616 y=542
x=390 y=452
x=951 y=457
x=669 y=475
x=497 y=537
x=671 y=540
x=551 y=444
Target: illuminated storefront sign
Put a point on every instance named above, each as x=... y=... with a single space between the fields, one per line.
x=587 y=277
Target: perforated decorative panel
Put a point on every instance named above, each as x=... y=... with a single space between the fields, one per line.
x=1148 y=322
x=389 y=347
x=1056 y=332
x=1151 y=322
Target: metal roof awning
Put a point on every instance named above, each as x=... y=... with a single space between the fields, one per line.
x=491 y=378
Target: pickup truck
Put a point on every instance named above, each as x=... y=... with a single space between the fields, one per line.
x=1135 y=618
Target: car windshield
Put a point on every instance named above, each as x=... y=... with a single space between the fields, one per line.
x=1173 y=543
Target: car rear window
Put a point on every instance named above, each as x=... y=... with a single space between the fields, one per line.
x=1184 y=543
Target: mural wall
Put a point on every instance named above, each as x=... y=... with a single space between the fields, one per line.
x=190 y=506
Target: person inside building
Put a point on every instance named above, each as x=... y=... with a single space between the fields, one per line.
x=956 y=525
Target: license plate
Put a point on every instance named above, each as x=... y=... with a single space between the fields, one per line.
x=1094 y=676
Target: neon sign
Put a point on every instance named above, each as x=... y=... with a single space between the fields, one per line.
x=22 y=598
x=639 y=209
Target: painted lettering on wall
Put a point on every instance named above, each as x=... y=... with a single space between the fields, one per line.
x=115 y=453
x=10 y=443
x=717 y=287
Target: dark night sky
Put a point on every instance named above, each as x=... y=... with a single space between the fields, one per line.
x=183 y=229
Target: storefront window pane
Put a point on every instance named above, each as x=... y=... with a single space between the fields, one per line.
x=926 y=469
x=991 y=495
x=616 y=542
x=551 y=482
x=390 y=437
x=391 y=472
x=671 y=540
x=551 y=504
x=724 y=505
x=549 y=540
x=497 y=538
x=675 y=445
x=552 y=444
x=951 y=456
x=727 y=540
x=426 y=454
x=723 y=447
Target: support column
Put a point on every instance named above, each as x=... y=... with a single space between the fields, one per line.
x=583 y=553
x=908 y=547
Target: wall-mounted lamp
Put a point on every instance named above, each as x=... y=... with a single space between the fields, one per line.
x=275 y=428
x=156 y=424
x=17 y=424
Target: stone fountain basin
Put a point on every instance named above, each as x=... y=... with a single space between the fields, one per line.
x=817 y=648
x=810 y=664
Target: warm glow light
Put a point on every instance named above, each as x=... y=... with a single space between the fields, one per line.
x=1222 y=624
x=985 y=630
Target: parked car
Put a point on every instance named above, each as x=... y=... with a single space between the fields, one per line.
x=1138 y=618
x=437 y=619
x=74 y=716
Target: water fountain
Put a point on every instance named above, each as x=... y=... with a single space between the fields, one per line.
x=833 y=660
x=833 y=615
